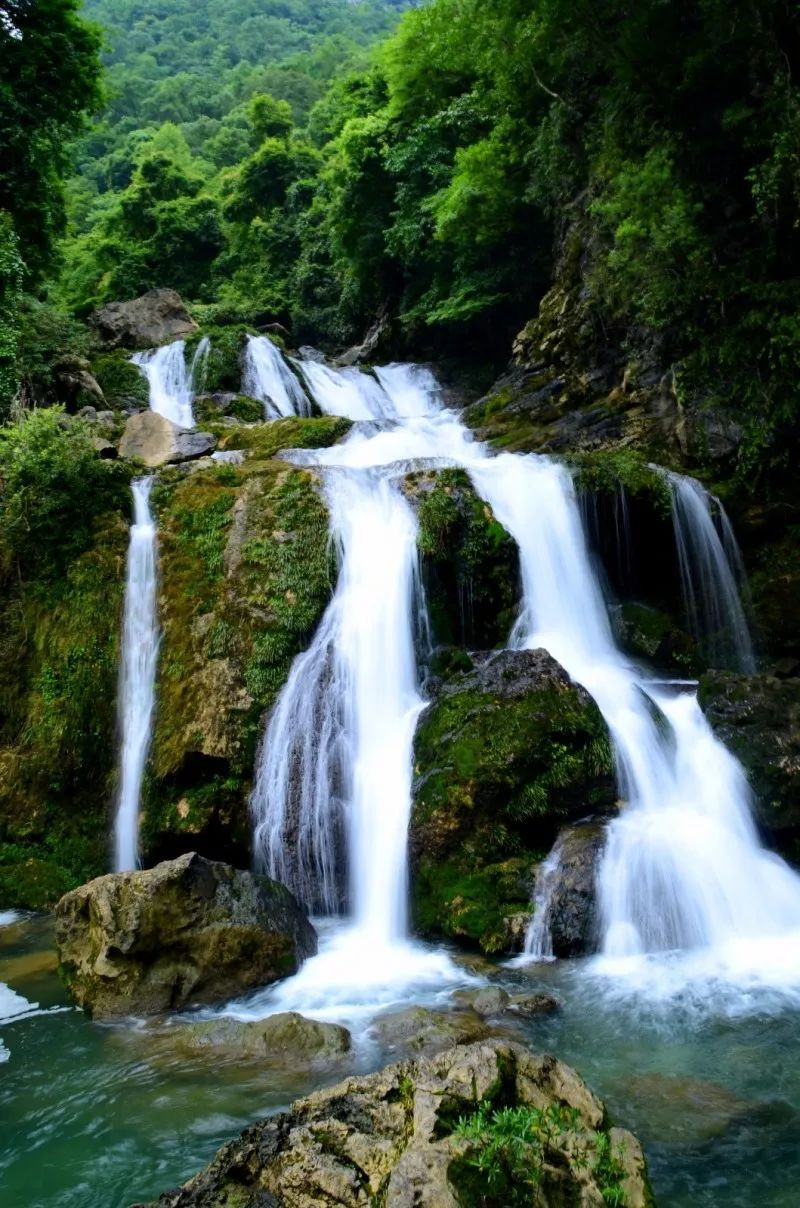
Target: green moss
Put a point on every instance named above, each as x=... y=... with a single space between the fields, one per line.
x=470 y=564
x=245 y=577
x=272 y=438
x=606 y=470
x=497 y=774
x=58 y=737
x=472 y=906
x=121 y=382
x=223 y=370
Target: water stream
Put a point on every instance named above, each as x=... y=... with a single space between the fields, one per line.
x=137 y=675
x=173 y=384
x=269 y=379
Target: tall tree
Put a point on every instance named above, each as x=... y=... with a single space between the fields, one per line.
x=49 y=81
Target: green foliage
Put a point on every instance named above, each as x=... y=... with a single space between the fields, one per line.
x=53 y=488
x=11 y=271
x=509 y=1149
x=49 y=81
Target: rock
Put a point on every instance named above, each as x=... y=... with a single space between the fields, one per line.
x=573 y=903
x=508 y=750
x=157 y=317
x=104 y=448
x=529 y=1006
x=225 y=404
x=487 y=1001
x=421 y=1031
x=366 y=350
x=186 y=932
x=389 y=1139
x=75 y=385
x=155 y=440
x=283 y=1038
x=757 y=717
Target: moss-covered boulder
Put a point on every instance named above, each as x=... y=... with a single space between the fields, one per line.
x=470 y=565
x=508 y=749
x=758 y=719
x=184 y=933
x=420 y=1132
x=245 y=575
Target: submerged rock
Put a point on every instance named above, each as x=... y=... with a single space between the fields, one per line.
x=286 y=1038
x=508 y=750
x=184 y=933
x=391 y=1139
x=157 y=317
x=423 y=1032
x=757 y=717
x=156 y=441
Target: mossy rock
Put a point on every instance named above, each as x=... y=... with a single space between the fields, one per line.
x=470 y=564
x=223 y=368
x=506 y=752
x=208 y=408
x=123 y=385
x=246 y=574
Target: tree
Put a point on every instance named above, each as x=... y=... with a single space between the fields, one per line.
x=49 y=82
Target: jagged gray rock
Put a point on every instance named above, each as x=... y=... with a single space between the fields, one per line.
x=155 y=440
x=157 y=317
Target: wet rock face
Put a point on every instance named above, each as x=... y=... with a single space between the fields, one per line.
x=186 y=932
x=389 y=1139
x=573 y=905
x=157 y=317
x=509 y=749
x=757 y=717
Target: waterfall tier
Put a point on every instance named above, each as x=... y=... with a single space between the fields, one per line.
x=173 y=384
x=683 y=868
x=137 y=676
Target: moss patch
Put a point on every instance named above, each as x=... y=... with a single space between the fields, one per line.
x=470 y=564
x=502 y=760
x=58 y=751
x=245 y=576
x=121 y=382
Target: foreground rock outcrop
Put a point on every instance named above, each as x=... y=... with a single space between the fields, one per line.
x=508 y=751
x=394 y=1139
x=157 y=317
x=186 y=932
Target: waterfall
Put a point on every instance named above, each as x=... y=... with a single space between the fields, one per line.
x=683 y=868
x=711 y=570
x=269 y=379
x=172 y=384
x=538 y=939
x=137 y=676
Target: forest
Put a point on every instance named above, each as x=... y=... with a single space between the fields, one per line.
x=399 y=597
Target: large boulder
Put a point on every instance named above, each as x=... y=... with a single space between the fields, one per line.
x=157 y=317
x=758 y=719
x=186 y=932
x=394 y=1139
x=155 y=440
x=509 y=750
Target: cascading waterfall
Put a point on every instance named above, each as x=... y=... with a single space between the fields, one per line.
x=172 y=384
x=539 y=939
x=137 y=676
x=683 y=868
x=269 y=379
x=711 y=571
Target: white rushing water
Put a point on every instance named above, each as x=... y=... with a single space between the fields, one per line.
x=172 y=383
x=268 y=378
x=711 y=574
x=137 y=676
x=683 y=870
